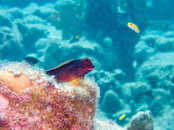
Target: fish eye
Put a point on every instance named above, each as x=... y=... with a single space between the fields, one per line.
x=86 y=60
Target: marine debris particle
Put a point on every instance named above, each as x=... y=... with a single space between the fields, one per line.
x=72 y=71
x=133 y=27
x=122 y=117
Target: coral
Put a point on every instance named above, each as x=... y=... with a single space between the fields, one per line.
x=141 y=121
x=45 y=11
x=68 y=17
x=107 y=42
x=134 y=90
x=22 y=4
x=109 y=80
x=32 y=100
x=10 y=41
x=165 y=44
x=111 y=102
x=97 y=30
x=16 y=12
x=154 y=40
x=157 y=72
x=28 y=27
x=143 y=50
x=5 y=18
x=109 y=19
x=162 y=99
x=78 y=49
x=106 y=125
x=165 y=121
x=159 y=68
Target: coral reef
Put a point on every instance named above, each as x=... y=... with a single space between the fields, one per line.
x=141 y=121
x=134 y=72
x=111 y=102
x=159 y=75
x=21 y=3
x=73 y=21
x=152 y=42
x=32 y=100
x=152 y=89
x=106 y=125
x=108 y=19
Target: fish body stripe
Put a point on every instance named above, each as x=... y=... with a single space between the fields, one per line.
x=133 y=27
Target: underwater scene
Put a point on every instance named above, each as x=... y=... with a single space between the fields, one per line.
x=86 y=65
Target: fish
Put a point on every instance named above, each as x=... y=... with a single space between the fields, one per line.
x=122 y=117
x=133 y=27
x=72 y=71
x=31 y=60
x=77 y=37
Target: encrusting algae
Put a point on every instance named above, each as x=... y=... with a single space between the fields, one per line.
x=30 y=99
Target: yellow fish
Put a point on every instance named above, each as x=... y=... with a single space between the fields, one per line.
x=122 y=117
x=133 y=27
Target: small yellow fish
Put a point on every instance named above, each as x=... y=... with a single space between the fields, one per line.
x=77 y=37
x=122 y=117
x=133 y=27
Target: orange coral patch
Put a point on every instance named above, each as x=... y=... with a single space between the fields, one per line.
x=15 y=83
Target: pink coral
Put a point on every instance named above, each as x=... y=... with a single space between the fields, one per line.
x=42 y=103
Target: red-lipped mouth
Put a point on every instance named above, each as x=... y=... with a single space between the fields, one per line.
x=90 y=69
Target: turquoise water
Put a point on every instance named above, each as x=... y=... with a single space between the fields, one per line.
x=135 y=71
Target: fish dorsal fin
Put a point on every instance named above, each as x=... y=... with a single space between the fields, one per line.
x=64 y=63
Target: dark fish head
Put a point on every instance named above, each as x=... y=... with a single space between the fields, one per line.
x=31 y=60
x=85 y=66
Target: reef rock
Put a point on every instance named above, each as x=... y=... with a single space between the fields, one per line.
x=159 y=68
x=111 y=102
x=133 y=90
x=145 y=48
x=141 y=121
x=10 y=41
x=106 y=125
x=165 y=44
x=165 y=121
x=32 y=100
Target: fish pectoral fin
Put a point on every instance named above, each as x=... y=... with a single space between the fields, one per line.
x=82 y=77
x=75 y=81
